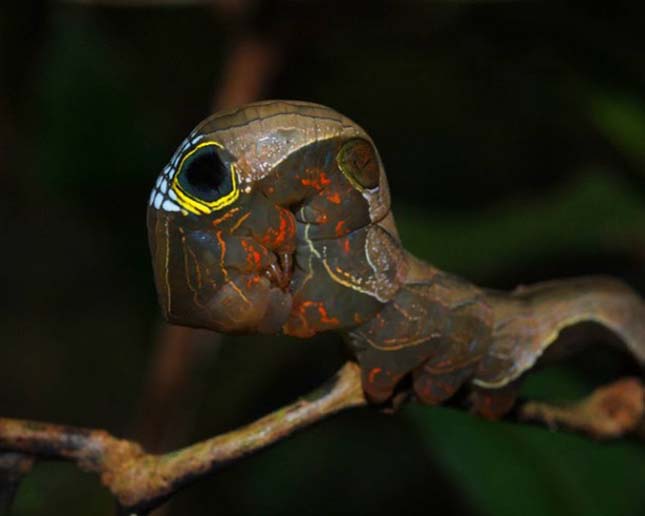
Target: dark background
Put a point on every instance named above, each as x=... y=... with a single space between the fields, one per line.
x=514 y=138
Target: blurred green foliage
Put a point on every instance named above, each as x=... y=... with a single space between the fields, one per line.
x=514 y=137
x=621 y=118
x=594 y=213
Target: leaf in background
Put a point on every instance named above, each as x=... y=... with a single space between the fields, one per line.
x=510 y=469
x=598 y=212
x=358 y=463
x=621 y=119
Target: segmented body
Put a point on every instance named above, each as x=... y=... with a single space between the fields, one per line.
x=276 y=217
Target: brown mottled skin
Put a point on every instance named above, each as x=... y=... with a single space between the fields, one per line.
x=307 y=243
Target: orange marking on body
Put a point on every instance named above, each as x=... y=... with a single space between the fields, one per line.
x=322 y=312
x=346 y=247
x=224 y=217
x=324 y=317
x=240 y=221
x=372 y=374
x=340 y=231
x=321 y=219
x=324 y=180
x=303 y=330
x=334 y=198
x=222 y=245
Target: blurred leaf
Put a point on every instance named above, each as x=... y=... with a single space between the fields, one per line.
x=80 y=145
x=55 y=488
x=621 y=119
x=556 y=383
x=509 y=469
x=360 y=462
x=598 y=212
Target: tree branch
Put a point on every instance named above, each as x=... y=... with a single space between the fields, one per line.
x=611 y=411
x=141 y=481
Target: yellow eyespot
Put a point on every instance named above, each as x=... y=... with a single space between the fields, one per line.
x=358 y=161
x=205 y=180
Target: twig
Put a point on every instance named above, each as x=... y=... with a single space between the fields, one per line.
x=140 y=481
x=610 y=411
x=251 y=65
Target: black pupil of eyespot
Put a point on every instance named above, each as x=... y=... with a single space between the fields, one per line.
x=205 y=176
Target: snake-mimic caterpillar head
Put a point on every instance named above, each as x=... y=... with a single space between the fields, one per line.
x=274 y=217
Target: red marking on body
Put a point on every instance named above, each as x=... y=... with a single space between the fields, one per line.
x=268 y=238
x=290 y=227
x=253 y=280
x=445 y=387
x=302 y=330
x=371 y=376
x=346 y=246
x=426 y=388
x=318 y=181
x=424 y=391
x=283 y=236
x=282 y=230
x=253 y=257
x=488 y=403
x=340 y=231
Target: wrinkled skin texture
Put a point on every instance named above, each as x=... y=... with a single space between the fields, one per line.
x=275 y=218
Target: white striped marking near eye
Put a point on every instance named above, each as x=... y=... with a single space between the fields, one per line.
x=170 y=206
